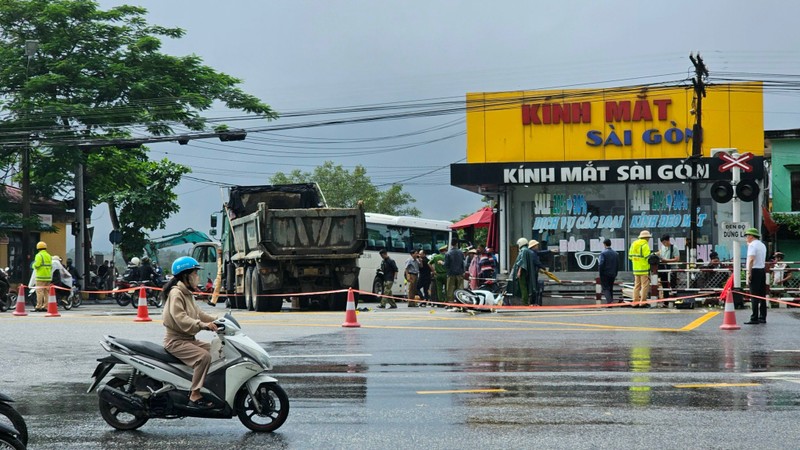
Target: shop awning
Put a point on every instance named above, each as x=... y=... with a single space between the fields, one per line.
x=479 y=219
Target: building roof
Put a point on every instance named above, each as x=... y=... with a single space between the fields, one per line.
x=38 y=205
x=793 y=133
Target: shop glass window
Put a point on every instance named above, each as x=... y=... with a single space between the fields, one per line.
x=576 y=219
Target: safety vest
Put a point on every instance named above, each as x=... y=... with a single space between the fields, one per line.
x=43 y=264
x=638 y=254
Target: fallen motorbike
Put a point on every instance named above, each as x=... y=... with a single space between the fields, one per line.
x=151 y=383
x=17 y=431
x=490 y=293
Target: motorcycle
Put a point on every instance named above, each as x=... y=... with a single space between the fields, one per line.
x=69 y=299
x=130 y=295
x=490 y=293
x=153 y=297
x=7 y=299
x=151 y=383
x=16 y=435
x=123 y=297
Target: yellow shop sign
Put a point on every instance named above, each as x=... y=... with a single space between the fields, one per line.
x=625 y=123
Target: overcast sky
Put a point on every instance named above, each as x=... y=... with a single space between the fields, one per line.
x=306 y=55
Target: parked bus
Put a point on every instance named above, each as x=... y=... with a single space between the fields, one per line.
x=398 y=235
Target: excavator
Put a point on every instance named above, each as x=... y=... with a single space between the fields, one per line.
x=187 y=236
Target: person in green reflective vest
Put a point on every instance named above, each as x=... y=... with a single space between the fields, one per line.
x=42 y=268
x=638 y=253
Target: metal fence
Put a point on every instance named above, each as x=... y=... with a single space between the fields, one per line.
x=714 y=279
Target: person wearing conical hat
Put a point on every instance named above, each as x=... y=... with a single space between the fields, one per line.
x=756 y=276
x=637 y=254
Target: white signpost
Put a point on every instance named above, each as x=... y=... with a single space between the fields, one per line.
x=733 y=231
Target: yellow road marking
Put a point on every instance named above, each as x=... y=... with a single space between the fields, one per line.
x=462 y=391
x=714 y=385
x=700 y=320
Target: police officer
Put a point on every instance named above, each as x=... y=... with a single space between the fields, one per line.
x=42 y=268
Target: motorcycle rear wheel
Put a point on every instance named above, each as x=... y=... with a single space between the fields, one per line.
x=17 y=421
x=274 y=408
x=122 y=298
x=111 y=414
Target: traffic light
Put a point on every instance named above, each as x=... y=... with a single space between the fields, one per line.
x=722 y=191
x=747 y=190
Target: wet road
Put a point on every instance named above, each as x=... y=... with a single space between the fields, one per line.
x=412 y=378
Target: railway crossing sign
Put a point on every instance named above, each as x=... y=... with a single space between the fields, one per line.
x=734 y=162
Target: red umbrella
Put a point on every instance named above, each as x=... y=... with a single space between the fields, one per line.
x=480 y=219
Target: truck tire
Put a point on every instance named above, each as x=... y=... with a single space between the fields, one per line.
x=377 y=288
x=248 y=288
x=265 y=304
x=337 y=301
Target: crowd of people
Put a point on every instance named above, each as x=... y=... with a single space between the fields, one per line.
x=436 y=278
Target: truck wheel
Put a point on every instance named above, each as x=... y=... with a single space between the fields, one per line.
x=338 y=301
x=251 y=288
x=377 y=288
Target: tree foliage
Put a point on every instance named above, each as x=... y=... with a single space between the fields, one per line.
x=343 y=189
x=100 y=74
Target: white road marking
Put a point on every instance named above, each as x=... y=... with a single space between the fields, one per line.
x=346 y=355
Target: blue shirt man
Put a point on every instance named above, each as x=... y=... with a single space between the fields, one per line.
x=608 y=268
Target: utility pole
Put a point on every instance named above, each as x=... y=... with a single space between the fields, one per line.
x=80 y=213
x=30 y=50
x=701 y=73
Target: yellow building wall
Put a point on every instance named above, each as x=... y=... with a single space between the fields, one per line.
x=732 y=117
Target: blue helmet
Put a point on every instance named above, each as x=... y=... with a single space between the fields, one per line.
x=183 y=264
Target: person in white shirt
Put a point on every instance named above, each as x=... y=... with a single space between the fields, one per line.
x=756 y=276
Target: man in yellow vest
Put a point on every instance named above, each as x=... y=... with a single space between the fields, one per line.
x=638 y=253
x=42 y=267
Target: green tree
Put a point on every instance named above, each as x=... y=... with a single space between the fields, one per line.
x=100 y=74
x=343 y=189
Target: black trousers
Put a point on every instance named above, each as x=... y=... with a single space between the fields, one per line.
x=607 y=287
x=758 y=286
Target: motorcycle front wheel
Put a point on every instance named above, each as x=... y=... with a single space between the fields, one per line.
x=10 y=442
x=65 y=302
x=466 y=297
x=16 y=420
x=274 y=408
x=156 y=301
x=116 y=417
x=77 y=299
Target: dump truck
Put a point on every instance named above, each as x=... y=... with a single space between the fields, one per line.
x=279 y=240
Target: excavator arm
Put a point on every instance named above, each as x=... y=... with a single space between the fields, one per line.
x=187 y=236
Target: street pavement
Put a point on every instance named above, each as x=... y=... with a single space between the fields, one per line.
x=431 y=378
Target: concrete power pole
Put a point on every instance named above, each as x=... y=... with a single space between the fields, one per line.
x=701 y=73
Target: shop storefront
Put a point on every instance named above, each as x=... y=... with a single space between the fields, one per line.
x=571 y=168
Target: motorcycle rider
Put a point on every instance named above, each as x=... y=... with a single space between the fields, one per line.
x=146 y=272
x=184 y=319
x=132 y=272
x=61 y=277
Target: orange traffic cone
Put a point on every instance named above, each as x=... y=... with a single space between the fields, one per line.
x=141 y=311
x=52 y=306
x=350 y=319
x=729 y=319
x=20 y=308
